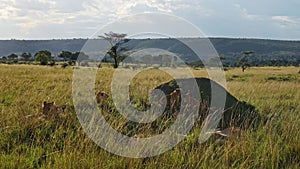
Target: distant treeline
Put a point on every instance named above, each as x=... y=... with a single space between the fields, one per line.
x=265 y=52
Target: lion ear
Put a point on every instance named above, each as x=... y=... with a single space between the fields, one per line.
x=44 y=103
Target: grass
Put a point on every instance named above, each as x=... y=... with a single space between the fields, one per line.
x=36 y=143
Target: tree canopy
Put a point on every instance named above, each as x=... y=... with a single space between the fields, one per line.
x=26 y=56
x=65 y=55
x=115 y=40
x=12 y=56
x=43 y=57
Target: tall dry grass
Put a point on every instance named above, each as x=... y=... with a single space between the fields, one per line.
x=27 y=142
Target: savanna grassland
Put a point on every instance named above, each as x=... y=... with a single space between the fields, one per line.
x=29 y=141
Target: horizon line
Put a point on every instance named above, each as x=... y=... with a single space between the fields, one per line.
x=209 y=37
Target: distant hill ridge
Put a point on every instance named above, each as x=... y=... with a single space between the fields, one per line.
x=229 y=48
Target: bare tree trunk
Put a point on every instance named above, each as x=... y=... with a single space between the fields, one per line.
x=115 y=59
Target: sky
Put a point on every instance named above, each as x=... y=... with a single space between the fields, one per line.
x=64 y=19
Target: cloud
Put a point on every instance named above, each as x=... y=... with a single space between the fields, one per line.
x=7 y=10
x=81 y=18
x=287 y=23
x=245 y=13
x=285 y=19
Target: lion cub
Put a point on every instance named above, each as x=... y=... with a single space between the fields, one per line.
x=101 y=97
x=50 y=110
x=173 y=99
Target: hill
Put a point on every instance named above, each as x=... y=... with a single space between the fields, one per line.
x=267 y=52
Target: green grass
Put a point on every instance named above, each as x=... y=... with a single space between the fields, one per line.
x=30 y=142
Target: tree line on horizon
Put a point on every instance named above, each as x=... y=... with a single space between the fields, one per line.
x=44 y=57
x=115 y=55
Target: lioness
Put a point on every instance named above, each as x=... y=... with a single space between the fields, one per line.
x=236 y=113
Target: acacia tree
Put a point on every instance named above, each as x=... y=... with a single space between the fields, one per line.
x=243 y=62
x=26 y=56
x=80 y=57
x=65 y=55
x=43 y=57
x=115 y=40
x=12 y=56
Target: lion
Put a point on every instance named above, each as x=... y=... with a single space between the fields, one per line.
x=50 y=110
x=232 y=133
x=101 y=97
x=173 y=99
x=235 y=113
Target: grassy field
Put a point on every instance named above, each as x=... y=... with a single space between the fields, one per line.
x=27 y=142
